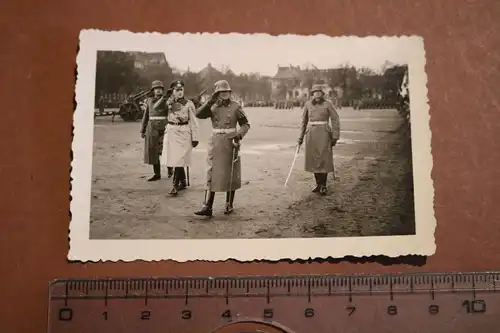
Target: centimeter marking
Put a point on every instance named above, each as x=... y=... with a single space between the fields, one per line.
x=268 y=287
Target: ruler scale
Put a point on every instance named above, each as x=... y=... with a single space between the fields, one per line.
x=427 y=303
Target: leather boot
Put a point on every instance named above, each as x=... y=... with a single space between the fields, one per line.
x=317 y=176
x=229 y=202
x=323 y=189
x=170 y=172
x=157 y=175
x=175 y=187
x=181 y=174
x=207 y=207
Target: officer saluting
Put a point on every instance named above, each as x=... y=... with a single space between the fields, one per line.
x=320 y=136
x=153 y=125
x=224 y=165
x=181 y=135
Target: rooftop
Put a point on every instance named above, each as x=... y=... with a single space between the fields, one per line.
x=288 y=72
x=294 y=72
x=150 y=57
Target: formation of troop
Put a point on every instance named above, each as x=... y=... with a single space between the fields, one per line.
x=171 y=131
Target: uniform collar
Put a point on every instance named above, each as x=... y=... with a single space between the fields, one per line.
x=223 y=102
x=320 y=100
x=181 y=100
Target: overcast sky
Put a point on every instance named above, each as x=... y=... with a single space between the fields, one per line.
x=263 y=53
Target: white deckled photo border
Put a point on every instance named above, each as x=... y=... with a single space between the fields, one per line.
x=82 y=248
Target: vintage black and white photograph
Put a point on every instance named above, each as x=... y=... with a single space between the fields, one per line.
x=250 y=146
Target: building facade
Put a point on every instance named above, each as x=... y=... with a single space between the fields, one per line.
x=294 y=83
x=143 y=60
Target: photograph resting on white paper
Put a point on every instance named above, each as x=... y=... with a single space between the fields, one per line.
x=250 y=147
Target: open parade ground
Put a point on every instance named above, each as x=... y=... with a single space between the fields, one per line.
x=372 y=194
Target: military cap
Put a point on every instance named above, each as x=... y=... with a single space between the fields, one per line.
x=177 y=84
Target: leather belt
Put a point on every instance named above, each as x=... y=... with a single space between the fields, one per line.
x=318 y=122
x=223 y=130
x=178 y=124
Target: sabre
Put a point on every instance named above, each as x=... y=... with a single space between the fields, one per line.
x=235 y=157
x=293 y=163
x=196 y=100
x=201 y=94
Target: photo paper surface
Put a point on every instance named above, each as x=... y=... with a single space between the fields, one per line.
x=250 y=147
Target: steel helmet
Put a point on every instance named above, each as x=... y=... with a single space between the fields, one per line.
x=222 y=85
x=317 y=87
x=157 y=84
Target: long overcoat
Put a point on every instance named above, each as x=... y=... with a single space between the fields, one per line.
x=153 y=126
x=225 y=116
x=319 y=134
x=181 y=131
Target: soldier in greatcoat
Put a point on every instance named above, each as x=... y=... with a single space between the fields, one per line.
x=181 y=135
x=224 y=163
x=101 y=105
x=153 y=125
x=320 y=136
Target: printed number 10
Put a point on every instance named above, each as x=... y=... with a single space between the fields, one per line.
x=476 y=306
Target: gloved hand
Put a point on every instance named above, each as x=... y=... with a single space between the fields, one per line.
x=234 y=136
x=169 y=92
x=195 y=143
x=143 y=135
x=214 y=98
x=300 y=141
x=334 y=143
x=169 y=96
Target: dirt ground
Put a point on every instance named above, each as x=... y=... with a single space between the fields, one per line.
x=371 y=195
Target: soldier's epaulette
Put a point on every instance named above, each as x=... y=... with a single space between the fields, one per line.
x=236 y=103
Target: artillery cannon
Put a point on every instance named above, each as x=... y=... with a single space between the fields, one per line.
x=131 y=109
